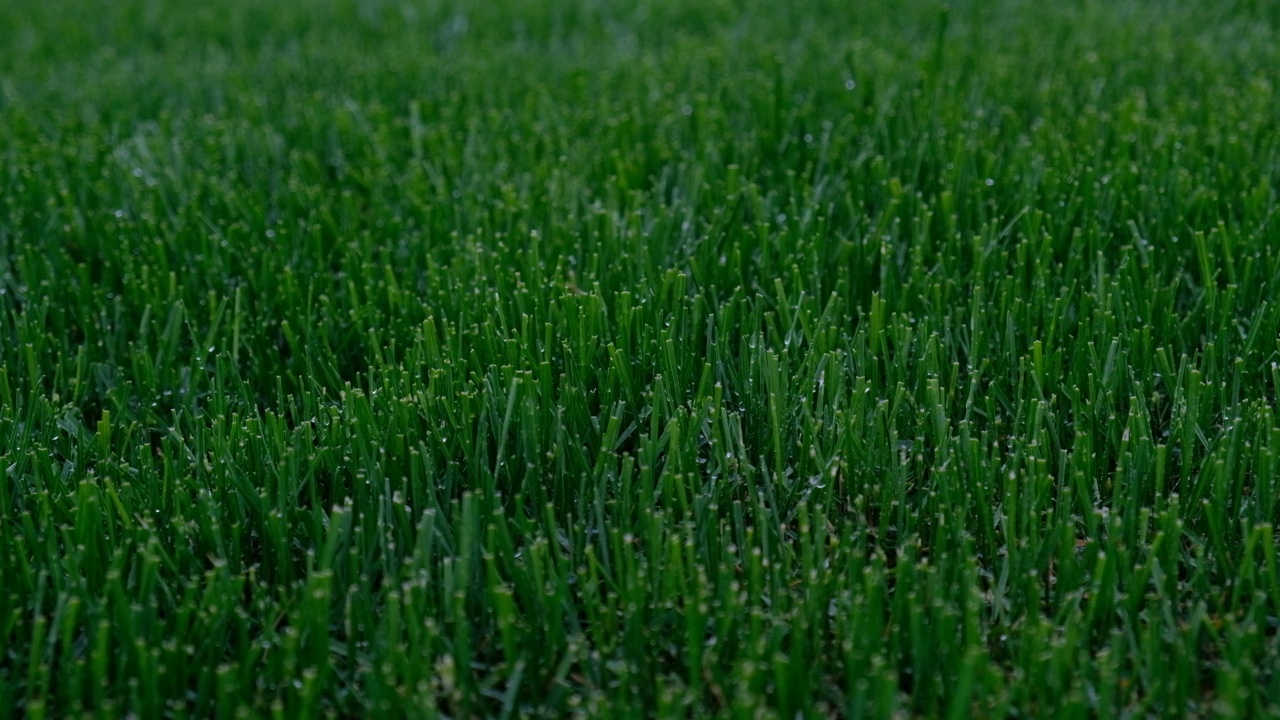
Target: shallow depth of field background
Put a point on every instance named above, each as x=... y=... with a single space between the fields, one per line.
x=635 y=358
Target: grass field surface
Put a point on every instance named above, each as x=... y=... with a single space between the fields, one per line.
x=639 y=358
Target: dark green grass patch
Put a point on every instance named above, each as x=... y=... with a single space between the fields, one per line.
x=639 y=358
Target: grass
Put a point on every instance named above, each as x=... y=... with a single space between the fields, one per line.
x=634 y=358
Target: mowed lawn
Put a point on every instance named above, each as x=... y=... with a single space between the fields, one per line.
x=639 y=358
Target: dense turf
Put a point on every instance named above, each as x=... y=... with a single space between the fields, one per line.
x=639 y=357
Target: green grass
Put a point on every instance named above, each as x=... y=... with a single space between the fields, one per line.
x=634 y=358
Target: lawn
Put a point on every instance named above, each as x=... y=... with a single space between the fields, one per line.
x=639 y=358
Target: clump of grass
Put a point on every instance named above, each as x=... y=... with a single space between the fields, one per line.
x=639 y=359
